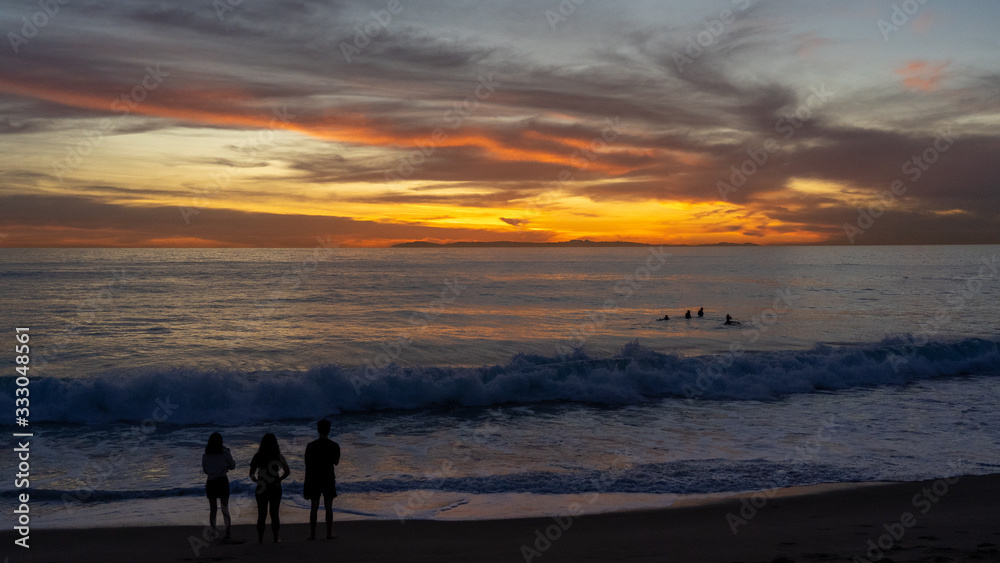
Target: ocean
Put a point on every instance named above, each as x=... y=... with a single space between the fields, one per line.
x=481 y=383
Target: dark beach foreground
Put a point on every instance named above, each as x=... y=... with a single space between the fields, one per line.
x=939 y=521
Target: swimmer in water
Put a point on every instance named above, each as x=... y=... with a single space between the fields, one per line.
x=688 y=314
x=665 y=318
x=730 y=321
x=701 y=311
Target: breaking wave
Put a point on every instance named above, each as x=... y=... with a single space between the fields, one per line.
x=635 y=375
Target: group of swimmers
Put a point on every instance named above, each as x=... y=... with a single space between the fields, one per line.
x=701 y=313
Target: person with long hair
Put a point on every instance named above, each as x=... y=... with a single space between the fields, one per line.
x=216 y=462
x=268 y=469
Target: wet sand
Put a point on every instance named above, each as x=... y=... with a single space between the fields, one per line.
x=934 y=521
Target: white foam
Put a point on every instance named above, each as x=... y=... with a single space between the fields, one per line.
x=635 y=375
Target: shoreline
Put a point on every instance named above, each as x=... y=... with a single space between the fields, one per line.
x=171 y=511
x=938 y=520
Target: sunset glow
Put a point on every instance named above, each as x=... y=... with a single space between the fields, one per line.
x=269 y=127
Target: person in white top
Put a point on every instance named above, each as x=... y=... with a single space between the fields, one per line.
x=216 y=462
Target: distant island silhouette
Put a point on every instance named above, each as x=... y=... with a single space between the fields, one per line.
x=577 y=243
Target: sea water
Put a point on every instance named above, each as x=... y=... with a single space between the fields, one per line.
x=473 y=383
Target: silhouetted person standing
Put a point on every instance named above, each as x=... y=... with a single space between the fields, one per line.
x=701 y=311
x=216 y=462
x=268 y=469
x=688 y=314
x=321 y=457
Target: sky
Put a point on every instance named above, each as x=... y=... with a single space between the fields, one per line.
x=272 y=123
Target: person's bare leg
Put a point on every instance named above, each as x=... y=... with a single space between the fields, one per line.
x=261 y=516
x=213 y=510
x=312 y=517
x=275 y=520
x=225 y=515
x=328 y=505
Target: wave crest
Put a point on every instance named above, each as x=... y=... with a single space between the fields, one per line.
x=635 y=375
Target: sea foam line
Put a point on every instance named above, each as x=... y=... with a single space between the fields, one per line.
x=635 y=375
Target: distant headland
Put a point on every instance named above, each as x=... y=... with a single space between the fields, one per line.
x=577 y=243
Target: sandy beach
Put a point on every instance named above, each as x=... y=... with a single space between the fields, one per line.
x=939 y=521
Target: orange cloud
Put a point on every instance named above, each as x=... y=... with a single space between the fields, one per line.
x=220 y=108
x=922 y=75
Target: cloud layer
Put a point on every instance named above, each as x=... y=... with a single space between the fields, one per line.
x=142 y=123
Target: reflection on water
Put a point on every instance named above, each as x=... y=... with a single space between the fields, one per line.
x=97 y=310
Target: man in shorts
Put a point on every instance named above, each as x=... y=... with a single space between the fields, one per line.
x=321 y=456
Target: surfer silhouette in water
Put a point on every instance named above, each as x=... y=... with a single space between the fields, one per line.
x=730 y=321
x=701 y=311
x=665 y=318
x=688 y=314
